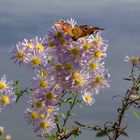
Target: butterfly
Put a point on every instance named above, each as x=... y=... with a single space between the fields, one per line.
x=77 y=31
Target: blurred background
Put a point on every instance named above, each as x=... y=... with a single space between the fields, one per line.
x=30 y=18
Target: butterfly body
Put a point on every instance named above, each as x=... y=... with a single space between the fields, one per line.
x=77 y=31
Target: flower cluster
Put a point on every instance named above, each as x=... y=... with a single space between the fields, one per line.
x=61 y=65
x=134 y=60
x=7 y=96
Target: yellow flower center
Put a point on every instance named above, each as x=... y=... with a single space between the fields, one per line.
x=50 y=96
x=58 y=67
x=93 y=66
x=63 y=79
x=51 y=43
x=75 y=74
x=59 y=35
x=75 y=52
x=62 y=41
x=40 y=47
x=44 y=125
x=43 y=74
x=56 y=86
x=41 y=116
x=43 y=84
x=97 y=54
x=88 y=98
x=49 y=110
x=5 y=100
x=99 y=79
x=68 y=67
x=50 y=58
x=87 y=47
x=34 y=115
x=36 y=60
x=78 y=79
x=20 y=54
x=3 y=85
x=97 y=41
x=39 y=104
x=30 y=45
x=135 y=60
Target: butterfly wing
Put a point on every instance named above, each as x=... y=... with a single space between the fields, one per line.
x=77 y=31
x=84 y=30
x=66 y=27
x=87 y=30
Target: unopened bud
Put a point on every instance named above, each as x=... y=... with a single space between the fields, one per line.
x=8 y=137
x=1 y=130
x=134 y=97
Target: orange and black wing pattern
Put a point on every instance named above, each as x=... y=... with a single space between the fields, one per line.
x=77 y=31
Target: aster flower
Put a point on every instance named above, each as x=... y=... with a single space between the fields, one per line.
x=88 y=98
x=56 y=39
x=49 y=96
x=18 y=53
x=33 y=116
x=99 y=80
x=98 y=47
x=52 y=110
x=78 y=80
x=95 y=66
x=4 y=85
x=134 y=60
x=6 y=98
x=36 y=58
x=40 y=83
x=45 y=126
x=35 y=43
x=98 y=54
x=38 y=43
x=97 y=41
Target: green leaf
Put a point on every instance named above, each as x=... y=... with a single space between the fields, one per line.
x=64 y=130
x=124 y=134
x=68 y=100
x=100 y=134
x=52 y=137
x=73 y=114
x=76 y=132
x=79 y=104
x=135 y=114
x=56 y=120
x=63 y=115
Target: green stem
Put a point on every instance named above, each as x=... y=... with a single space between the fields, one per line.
x=70 y=109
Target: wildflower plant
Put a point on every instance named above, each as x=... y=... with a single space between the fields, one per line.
x=130 y=101
x=65 y=72
x=68 y=72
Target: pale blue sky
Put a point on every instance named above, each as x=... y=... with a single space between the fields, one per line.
x=30 y=18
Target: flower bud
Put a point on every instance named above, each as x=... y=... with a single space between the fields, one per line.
x=1 y=130
x=8 y=137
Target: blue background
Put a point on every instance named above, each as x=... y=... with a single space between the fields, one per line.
x=30 y=18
